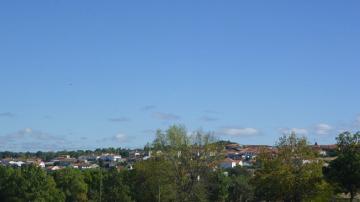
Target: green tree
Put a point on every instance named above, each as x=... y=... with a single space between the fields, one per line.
x=344 y=171
x=152 y=180
x=294 y=174
x=6 y=185
x=218 y=183
x=114 y=188
x=190 y=157
x=240 y=189
x=29 y=183
x=72 y=184
x=93 y=179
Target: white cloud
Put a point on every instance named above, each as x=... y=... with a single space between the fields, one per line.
x=323 y=129
x=120 y=137
x=239 y=131
x=298 y=131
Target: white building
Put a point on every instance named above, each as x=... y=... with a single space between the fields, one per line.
x=230 y=163
x=16 y=163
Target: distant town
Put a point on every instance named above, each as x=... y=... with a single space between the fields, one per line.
x=182 y=168
x=234 y=154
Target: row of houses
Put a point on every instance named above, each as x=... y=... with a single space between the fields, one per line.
x=235 y=155
x=245 y=155
x=82 y=162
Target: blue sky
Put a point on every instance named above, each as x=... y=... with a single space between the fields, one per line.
x=87 y=74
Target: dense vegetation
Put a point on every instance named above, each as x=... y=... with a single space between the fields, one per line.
x=182 y=169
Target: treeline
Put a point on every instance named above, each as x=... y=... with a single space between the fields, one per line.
x=30 y=183
x=182 y=169
x=47 y=156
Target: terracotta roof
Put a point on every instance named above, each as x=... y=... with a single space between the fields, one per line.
x=324 y=147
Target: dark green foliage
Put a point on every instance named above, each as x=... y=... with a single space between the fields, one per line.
x=93 y=178
x=218 y=184
x=344 y=171
x=28 y=184
x=152 y=180
x=232 y=185
x=114 y=188
x=240 y=189
x=72 y=184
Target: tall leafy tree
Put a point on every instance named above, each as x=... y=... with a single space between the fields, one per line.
x=294 y=174
x=29 y=183
x=152 y=180
x=218 y=183
x=190 y=157
x=344 y=171
x=72 y=184
x=93 y=179
x=240 y=189
x=114 y=188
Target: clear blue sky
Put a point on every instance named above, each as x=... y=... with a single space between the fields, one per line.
x=87 y=74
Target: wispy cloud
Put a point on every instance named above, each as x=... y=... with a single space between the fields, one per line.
x=298 y=131
x=31 y=134
x=148 y=107
x=323 y=129
x=166 y=116
x=208 y=118
x=239 y=132
x=119 y=119
x=119 y=138
x=7 y=114
x=29 y=139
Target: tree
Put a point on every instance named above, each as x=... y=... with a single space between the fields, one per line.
x=114 y=188
x=240 y=189
x=344 y=171
x=93 y=179
x=152 y=180
x=72 y=184
x=218 y=183
x=294 y=174
x=189 y=157
x=29 y=183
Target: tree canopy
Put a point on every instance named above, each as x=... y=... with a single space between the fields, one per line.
x=293 y=174
x=344 y=171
